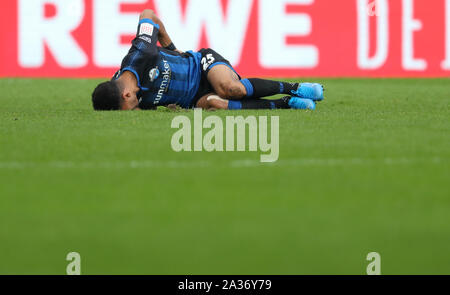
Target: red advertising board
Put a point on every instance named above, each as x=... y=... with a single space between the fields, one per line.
x=272 y=38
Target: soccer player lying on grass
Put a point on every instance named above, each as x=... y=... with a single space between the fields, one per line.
x=152 y=76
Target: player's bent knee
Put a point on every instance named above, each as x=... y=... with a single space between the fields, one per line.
x=232 y=89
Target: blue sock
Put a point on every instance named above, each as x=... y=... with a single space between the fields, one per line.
x=257 y=88
x=234 y=105
x=259 y=104
x=248 y=87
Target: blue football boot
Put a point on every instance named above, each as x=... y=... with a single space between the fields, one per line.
x=301 y=103
x=312 y=91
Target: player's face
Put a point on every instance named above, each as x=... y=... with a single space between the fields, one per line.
x=130 y=101
x=130 y=104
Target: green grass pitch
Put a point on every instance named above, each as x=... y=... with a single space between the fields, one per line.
x=367 y=171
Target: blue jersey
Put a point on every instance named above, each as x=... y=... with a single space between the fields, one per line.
x=164 y=77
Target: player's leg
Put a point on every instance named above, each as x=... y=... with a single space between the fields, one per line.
x=212 y=101
x=226 y=82
x=221 y=76
x=286 y=102
x=256 y=88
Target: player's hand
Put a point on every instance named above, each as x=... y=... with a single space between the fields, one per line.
x=179 y=51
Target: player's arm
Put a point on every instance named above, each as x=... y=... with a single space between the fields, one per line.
x=163 y=36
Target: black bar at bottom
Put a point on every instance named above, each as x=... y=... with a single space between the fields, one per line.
x=225 y=284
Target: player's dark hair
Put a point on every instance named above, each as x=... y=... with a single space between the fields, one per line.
x=106 y=97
